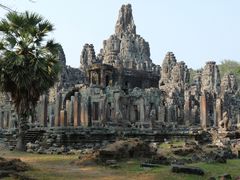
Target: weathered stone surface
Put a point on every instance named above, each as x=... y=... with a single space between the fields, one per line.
x=225 y=177
x=15 y=165
x=210 y=78
x=125 y=149
x=187 y=170
x=148 y=165
x=87 y=57
x=125 y=23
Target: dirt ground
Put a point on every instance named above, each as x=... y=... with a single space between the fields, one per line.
x=47 y=167
x=60 y=167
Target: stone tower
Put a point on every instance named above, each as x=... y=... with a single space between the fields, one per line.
x=210 y=89
x=125 y=48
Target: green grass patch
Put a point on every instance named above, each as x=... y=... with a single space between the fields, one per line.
x=168 y=145
x=59 y=167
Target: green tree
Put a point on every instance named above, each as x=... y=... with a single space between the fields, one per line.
x=230 y=66
x=28 y=63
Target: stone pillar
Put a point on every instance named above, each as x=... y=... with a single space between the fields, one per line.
x=58 y=109
x=195 y=114
x=162 y=113
x=203 y=111
x=63 y=118
x=13 y=117
x=82 y=113
x=141 y=109
x=89 y=112
x=101 y=112
x=69 y=108
x=218 y=112
x=6 y=119
x=238 y=120
x=101 y=78
x=44 y=110
x=131 y=114
x=214 y=122
x=1 y=119
x=10 y=119
x=76 y=111
x=51 y=116
x=68 y=103
x=170 y=112
x=52 y=120
x=187 y=112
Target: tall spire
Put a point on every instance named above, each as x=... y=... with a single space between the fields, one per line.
x=125 y=23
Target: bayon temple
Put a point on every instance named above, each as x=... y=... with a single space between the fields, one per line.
x=122 y=88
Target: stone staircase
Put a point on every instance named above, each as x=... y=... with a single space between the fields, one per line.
x=9 y=139
x=33 y=135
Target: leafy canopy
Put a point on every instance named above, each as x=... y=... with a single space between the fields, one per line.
x=230 y=66
x=28 y=63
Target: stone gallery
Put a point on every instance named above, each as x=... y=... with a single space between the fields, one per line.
x=121 y=88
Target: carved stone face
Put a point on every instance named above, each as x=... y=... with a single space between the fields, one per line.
x=175 y=75
x=94 y=78
x=233 y=81
x=225 y=83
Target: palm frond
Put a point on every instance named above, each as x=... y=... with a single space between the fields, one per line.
x=28 y=64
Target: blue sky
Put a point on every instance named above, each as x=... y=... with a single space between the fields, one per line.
x=195 y=30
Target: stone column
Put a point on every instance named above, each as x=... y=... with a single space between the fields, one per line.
x=195 y=114
x=82 y=113
x=218 y=112
x=238 y=120
x=69 y=108
x=187 y=112
x=51 y=116
x=76 y=111
x=141 y=108
x=89 y=112
x=132 y=114
x=44 y=110
x=1 y=119
x=68 y=103
x=52 y=120
x=101 y=112
x=170 y=112
x=203 y=111
x=162 y=113
x=101 y=78
x=6 y=119
x=63 y=118
x=58 y=109
x=10 y=119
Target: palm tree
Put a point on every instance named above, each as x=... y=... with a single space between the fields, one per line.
x=28 y=63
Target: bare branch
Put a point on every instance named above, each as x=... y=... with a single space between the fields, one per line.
x=6 y=8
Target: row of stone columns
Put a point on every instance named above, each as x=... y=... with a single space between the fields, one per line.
x=64 y=113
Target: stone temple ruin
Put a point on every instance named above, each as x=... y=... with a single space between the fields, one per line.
x=122 y=89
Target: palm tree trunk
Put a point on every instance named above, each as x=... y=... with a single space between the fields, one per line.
x=22 y=128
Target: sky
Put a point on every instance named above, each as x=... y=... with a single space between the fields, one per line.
x=196 y=31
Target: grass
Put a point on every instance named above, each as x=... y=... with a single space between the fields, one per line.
x=58 y=167
x=174 y=143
